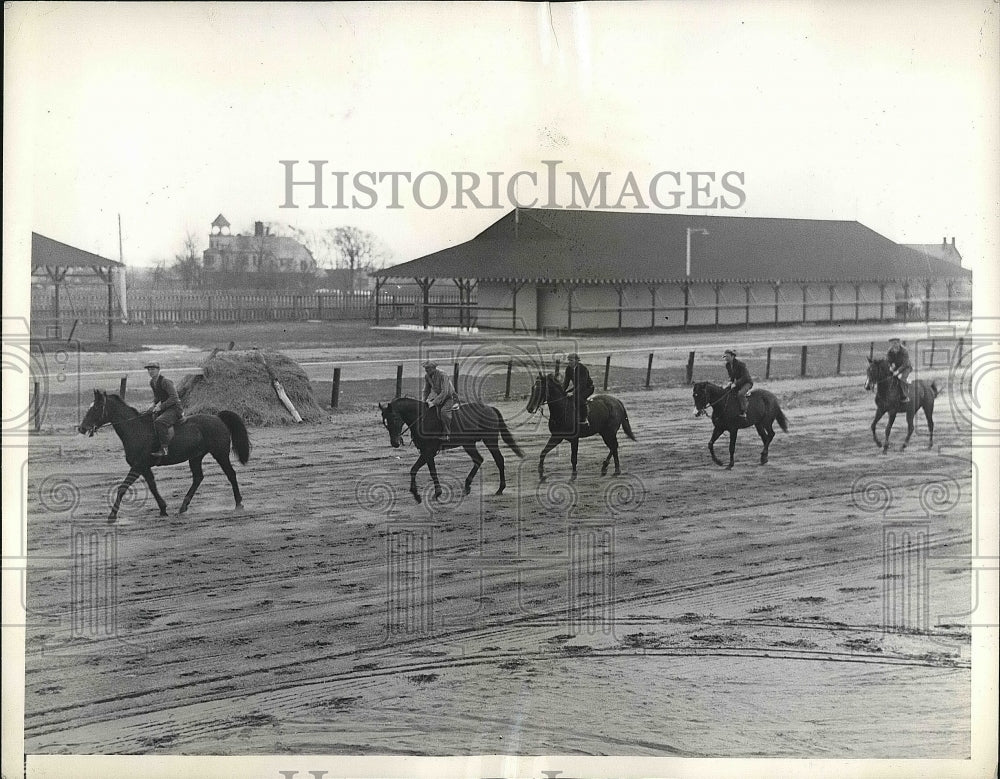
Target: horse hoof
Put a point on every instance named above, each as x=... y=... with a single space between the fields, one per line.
x=468 y=488
x=729 y=467
x=541 y=477
x=418 y=499
x=618 y=473
x=163 y=512
x=499 y=491
x=111 y=519
x=604 y=472
x=437 y=494
x=239 y=508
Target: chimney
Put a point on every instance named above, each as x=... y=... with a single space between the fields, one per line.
x=258 y=230
x=944 y=241
x=953 y=242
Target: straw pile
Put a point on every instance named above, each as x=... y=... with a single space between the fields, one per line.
x=240 y=381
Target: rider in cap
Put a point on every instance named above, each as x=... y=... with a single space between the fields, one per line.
x=166 y=407
x=583 y=386
x=439 y=392
x=899 y=366
x=739 y=379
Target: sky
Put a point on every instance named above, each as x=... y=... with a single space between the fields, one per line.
x=169 y=114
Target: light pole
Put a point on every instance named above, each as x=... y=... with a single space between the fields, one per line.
x=687 y=269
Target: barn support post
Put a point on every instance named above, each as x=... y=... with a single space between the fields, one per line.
x=570 y=289
x=515 y=287
x=460 y=283
x=470 y=287
x=906 y=302
x=805 y=301
x=951 y=288
x=686 y=286
x=652 y=305
x=928 y=287
x=881 y=302
x=425 y=285
x=111 y=305
x=857 y=305
x=379 y=283
x=746 y=290
x=832 y=288
x=777 y=298
x=718 y=295
x=620 y=289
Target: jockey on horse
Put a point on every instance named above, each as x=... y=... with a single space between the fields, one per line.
x=739 y=379
x=439 y=392
x=899 y=366
x=166 y=407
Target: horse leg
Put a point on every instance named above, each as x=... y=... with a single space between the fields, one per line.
x=732 y=446
x=434 y=476
x=551 y=444
x=909 y=429
x=151 y=483
x=122 y=489
x=765 y=436
x=494 y=448
x=574 y=448
x=477 y=461
x=196 y=478
x=888 y=429
x=611 y=440
x=413 y=476
x=929 y=413
x=227 y=468
x=711 y=444
x=879 y=413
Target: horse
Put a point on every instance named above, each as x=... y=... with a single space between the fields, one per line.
x=471 y=422
x=192 y=439
x=605 y=414
x=762 y=412
x=887 y=399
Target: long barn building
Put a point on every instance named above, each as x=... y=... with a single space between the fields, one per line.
x=547 y=269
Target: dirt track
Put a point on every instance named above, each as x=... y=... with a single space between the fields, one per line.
x=677 y=610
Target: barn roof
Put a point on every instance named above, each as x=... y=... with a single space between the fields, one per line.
x=47 y=253
x=546 y=245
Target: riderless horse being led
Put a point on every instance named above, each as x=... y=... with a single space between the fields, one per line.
x=887 y=400
x=605 y=414
x=195 y=437
x=762 y=412
x=471 y=422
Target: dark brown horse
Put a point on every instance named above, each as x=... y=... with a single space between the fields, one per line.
x=762 y=412
x=605 y=414
x=197 y=436
x=887 y=401
x=471 y=422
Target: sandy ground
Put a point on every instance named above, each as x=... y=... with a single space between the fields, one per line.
x=679 y=609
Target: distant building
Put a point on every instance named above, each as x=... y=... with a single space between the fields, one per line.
x=261 y=252
x=939 y=251
x=340 y=279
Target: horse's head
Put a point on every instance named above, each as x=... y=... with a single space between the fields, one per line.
x=392 y=422
x=538 y=394
x=96 y=416
x=878 y=370
x=701 y=398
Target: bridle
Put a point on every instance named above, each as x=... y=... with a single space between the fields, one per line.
x=714 y=403
x=403 y=426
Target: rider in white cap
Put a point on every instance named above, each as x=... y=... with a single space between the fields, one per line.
x=899 y=366
x=739 y=379
x=166 y=407
x=439 y=392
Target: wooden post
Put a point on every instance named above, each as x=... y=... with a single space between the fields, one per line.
x=831 y=301
x=933 y=347
x=652 y=307
x=951 y=287
x=689 y=376
x=777 y=297
x=767 y=365
x=927 y=300
x=805 y=298
x=906 y=302
x=121 y=387
x=335 y=391
x=840 y=354
x=747 y=290
x=111 y=309
x=961 y=351
x=38 y=407
x=718 y=290
x=454 y=381
x=72 y=330
x=871 y=351
x=687 y=302
x=649 y=369
x=857 y=304
x=399 y=381
x=607 y=371
x=805 y=351
x=510 y=367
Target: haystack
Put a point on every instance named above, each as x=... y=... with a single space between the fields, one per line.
x=241 y=381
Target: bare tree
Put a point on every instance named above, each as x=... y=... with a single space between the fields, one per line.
x=355 y=249
x=187 y=264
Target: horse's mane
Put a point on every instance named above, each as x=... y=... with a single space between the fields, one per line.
x=121 y=402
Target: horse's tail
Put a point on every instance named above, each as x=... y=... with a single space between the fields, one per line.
x=626 y=427
x=238 y=431
x=507 y=437
x=779 y=415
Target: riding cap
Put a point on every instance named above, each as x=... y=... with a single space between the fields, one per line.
x=573 y=358
x=430 y=364
x=729 y=351
x=894 y=341
x=152 y=365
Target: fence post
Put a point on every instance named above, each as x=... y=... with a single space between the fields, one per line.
x=649 y=369
x=335 y=391
x=121 y=387
x=38 y=408
x=933 y=348
x=871 y=350
x=961 y=349
x=767 y=367
x=805 y=351
x=455 y=379
x=506 y=392
x=399 y=381
x=840 y=354
x=607 y=370
x=689 y=376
